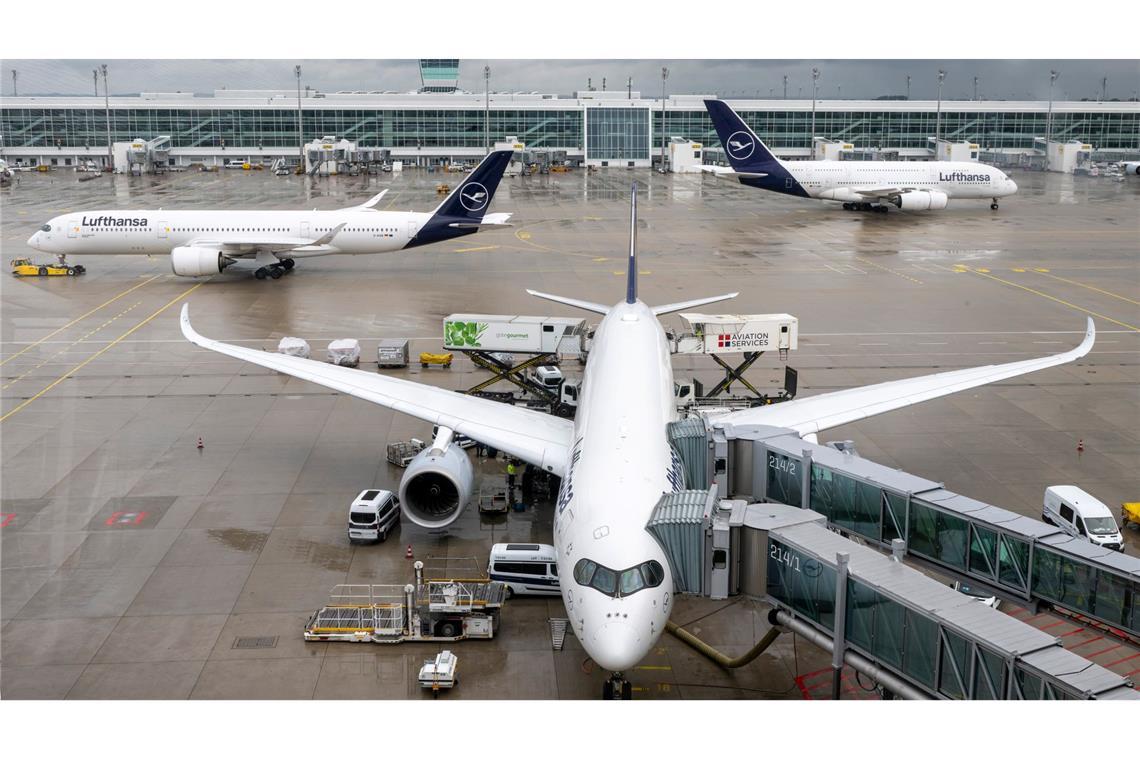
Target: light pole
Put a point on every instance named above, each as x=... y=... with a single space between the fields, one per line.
x=1049 y=118
x=300 y=134
x=938 y=117
x=15 y=92
x=629 y=88
x=814 y=92
x=908 y=86
x=107 y=109
x=975 y=88
x=664 y=76
x=487 y=108
x=785 y=86
x=1104 y=89
x=95 y=75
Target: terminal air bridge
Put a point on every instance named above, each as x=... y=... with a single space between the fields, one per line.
x=780 y=537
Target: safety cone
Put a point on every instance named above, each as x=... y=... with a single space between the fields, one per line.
x=200 y=444
x=1080 y=445
x=408 y=554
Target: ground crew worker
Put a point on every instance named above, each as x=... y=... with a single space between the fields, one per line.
x=510 y=473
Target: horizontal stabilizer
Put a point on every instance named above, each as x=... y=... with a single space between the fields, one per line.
x=669 y=308
x=597 y=308
x=723 y=172
x=489 y=220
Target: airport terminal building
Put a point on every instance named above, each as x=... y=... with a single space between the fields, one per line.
x=600 y=128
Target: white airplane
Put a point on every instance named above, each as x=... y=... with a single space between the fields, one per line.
x=202 y=243
x=1131 y=168
x=859 y=185
x=614 y=459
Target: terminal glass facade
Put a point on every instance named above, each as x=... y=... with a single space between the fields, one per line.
x=617 y=134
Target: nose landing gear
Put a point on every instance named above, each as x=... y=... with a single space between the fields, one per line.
x=994 y=205
x=617 y=687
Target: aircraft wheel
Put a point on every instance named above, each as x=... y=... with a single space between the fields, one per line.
x=846 y=206
x=881 y=209
x=626 y=690
x=288 y=264
x=994 y=206
x=276 y=272
x=608 y=689
x=43 y=271
x=261 y=274
x=71 y=271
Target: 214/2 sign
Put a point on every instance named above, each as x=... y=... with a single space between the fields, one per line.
x=782 y=463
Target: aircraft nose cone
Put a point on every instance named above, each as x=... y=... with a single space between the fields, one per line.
x=617 y=647
x=34 y=241
x=1012 y=186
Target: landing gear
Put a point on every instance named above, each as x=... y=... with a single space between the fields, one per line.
x=617 y=687
x=865 y=207
x=994 y=205
x=288 y=264
x=275 y=270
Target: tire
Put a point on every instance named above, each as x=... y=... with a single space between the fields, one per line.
x=276 y=273
x=43 y=271
x=626 y=690
x=71 y=271
x=288 y=264
x=993 y=207
x=608 y=690
x=260 y=273
x=448 y=630
x=509 y=592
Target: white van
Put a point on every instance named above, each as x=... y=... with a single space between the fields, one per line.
x=372 y=515
x=1079 y=514
x=525 y=568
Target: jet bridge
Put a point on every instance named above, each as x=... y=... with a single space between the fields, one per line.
x=916 y=636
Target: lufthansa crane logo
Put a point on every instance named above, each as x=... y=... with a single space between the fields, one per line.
x=474 y=196
x=740 y=145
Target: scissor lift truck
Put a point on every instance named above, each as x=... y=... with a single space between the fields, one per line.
x=431 y=609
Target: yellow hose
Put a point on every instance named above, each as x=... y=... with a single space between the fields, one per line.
x=719 y=658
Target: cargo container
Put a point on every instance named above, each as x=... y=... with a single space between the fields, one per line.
x=516 y=334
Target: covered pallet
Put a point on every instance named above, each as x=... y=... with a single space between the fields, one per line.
x=344 y=352
x=293 y=347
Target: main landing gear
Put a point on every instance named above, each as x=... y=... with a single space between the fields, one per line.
x=994 y=206
x=275 y=270
x=865 y=207
x=617 y=687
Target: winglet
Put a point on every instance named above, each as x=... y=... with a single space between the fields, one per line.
x=631 y=276
x=371 y=202
x=188 y=332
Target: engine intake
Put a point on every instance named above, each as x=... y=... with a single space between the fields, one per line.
x=922 y=200
x=437 y=486
x=197 y=261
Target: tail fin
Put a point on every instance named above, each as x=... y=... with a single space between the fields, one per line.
x=470 y=200
x=461 y=212
x=631 y=275
x=746 y=152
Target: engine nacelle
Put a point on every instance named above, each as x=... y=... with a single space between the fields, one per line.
x=437 y=486
x=922 y=200
x=197 y=261
x=1131 y=167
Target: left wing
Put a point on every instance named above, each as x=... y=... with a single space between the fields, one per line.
x=815 y=413
x=238 y=247
x=539 y=439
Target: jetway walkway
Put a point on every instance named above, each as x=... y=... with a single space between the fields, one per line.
x=1015 y=556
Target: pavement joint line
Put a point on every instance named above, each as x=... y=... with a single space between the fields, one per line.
x=1090 y=287
x=1053 y=298
x=76 y=342
x=77 y=319
x=888 y=269
x=108 y=347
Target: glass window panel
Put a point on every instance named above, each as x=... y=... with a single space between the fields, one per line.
x=1111 y=601
x=920 y=647
x=992 y=665
x=894 y=516
x=867 y=508
x=983 y=551
x=1030 y=685
x=954 y=656
x=861 y=605
x=890 y=620
x=784 y=479
x=923 y=530
x=1013 y=562
x=952 y=537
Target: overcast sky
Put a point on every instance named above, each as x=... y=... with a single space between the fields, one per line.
x=1016 y=79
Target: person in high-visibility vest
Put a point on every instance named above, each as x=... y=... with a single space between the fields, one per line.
x=510 y=473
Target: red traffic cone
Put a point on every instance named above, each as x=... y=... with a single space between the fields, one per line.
x=1080 y=445
x=408 y=554
x=200 y=444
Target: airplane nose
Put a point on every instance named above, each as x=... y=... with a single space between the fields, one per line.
x=617 y=647
x=34 y=241
x=1012 y=186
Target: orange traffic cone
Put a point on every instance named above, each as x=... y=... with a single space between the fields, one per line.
x=408 y=554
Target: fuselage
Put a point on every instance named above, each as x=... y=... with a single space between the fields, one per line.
x=620 y=465
x=841 y=180
x=150 y=232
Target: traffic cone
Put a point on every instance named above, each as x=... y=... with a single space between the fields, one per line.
x=1080 y=445
x=408 y=554
x=200 y=444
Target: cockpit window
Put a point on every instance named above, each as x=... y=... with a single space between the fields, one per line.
x=612 y=583
x=45 y=228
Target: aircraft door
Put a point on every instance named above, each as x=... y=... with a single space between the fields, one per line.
x=306 y=230
x=163 y=229
x=72 y=228
x=413 y=228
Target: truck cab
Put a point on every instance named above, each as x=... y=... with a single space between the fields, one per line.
x=550 y=376
x=1080 y=514
x=372 y=515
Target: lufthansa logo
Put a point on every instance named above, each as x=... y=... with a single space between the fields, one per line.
x=740 y=145
x=474 y=196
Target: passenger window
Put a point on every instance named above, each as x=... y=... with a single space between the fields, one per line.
x=1066 y=513
x=1081 y=527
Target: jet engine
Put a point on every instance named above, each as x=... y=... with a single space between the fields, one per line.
x=922 y=200
x=437 y=486
x=197 y=261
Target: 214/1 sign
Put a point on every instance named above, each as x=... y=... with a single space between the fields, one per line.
x=788 y=557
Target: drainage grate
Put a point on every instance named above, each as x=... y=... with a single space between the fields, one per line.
x=255 y=642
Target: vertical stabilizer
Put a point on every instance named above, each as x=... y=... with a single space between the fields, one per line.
x=631 y=277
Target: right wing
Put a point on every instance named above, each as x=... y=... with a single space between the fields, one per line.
x=248 y=246
x=827 y=410
x=539 y=439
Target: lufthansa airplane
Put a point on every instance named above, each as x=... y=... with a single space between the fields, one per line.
x=204 y=243
x=614 y=458
x=859 y=185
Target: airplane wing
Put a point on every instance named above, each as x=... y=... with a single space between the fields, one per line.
x=815 y=413
x=882 y=192
x=239 y=247
x=539 y=439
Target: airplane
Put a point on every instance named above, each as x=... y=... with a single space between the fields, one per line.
x=1130 y=168
x=202 y=243
x=614 y=459
x=859 y=185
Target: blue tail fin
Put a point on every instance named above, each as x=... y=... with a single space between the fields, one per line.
x=748 y=154
x=463 y=209
x=631 y=276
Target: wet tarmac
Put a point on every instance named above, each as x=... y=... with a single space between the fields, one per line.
x=133 y=561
